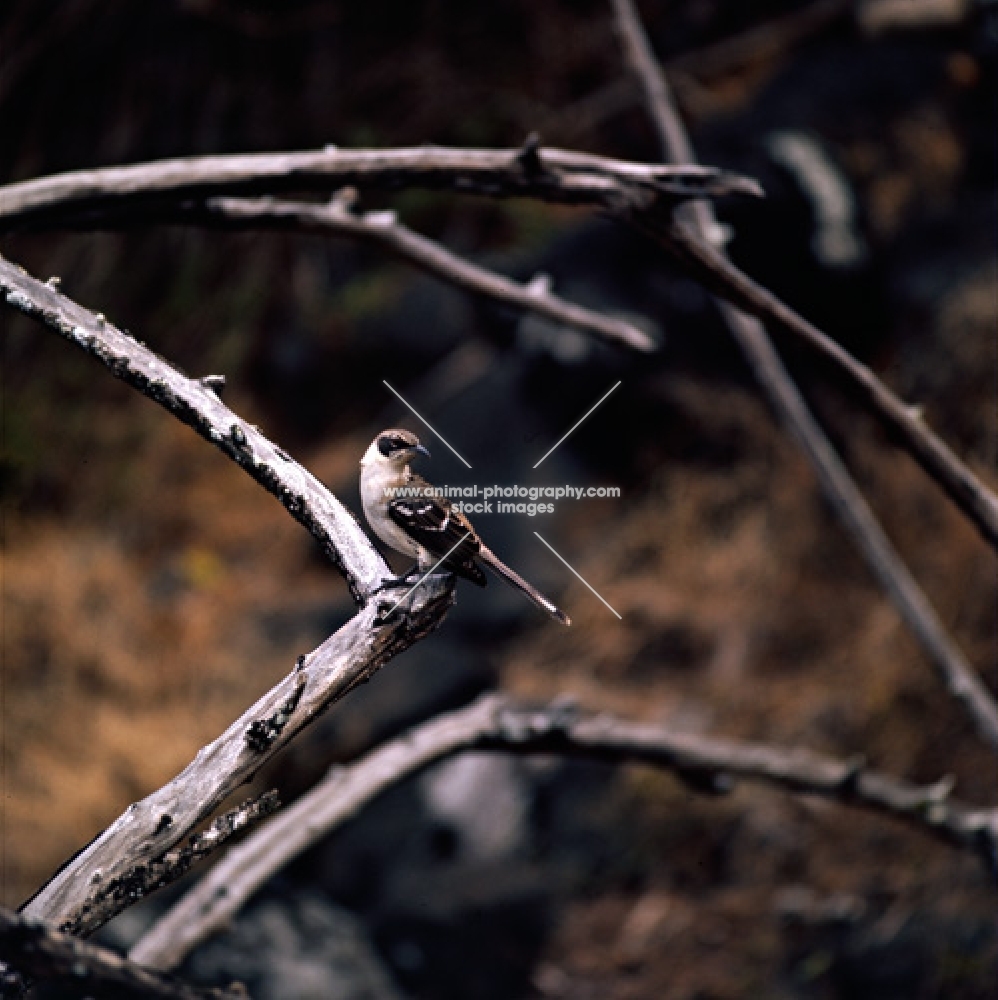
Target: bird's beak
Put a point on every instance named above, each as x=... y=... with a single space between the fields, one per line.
x=423 y=450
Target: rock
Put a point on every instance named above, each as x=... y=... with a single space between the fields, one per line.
x=297 y=948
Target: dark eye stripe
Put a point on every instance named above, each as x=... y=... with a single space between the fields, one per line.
x=387 y=445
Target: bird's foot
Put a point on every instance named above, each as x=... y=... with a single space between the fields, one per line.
x=396 y=581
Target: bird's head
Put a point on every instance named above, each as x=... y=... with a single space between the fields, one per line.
x=394 y=447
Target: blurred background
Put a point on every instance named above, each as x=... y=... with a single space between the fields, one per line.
x=151 y=591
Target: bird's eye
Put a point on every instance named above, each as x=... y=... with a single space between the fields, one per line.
x=388 y=444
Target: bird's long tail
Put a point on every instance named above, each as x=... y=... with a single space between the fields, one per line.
x=515 y=580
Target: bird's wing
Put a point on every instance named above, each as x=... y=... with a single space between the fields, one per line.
x=433 y=522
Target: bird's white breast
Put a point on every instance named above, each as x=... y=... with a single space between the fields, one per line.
x=375 y=481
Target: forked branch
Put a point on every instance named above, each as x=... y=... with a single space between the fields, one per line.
x=692 y=227
x=644 y=194
x=350 y=656
x=149 y=828
x=495 y=722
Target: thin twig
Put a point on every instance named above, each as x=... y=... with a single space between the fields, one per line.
x=92 y=196
x=383 y=229
x=112 y=898
x=347 y=658
x=39 y=952
x=838 y=486
x=494 y=722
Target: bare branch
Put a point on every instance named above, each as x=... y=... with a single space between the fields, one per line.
x=962 y=485
x=90 y=196
x=692 y=237
x=112 y=898
x=496 y=723
x=382 y=229
x=640 y=58
x=141 y=834
x=350 y=656
x=197 y=404
x=958 y=676
x=38 y=951
x=838 y=486
x=338 y=797
x=173 y=190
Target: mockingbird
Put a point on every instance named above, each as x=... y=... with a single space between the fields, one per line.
x=405 y=513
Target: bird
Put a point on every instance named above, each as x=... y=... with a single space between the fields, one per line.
x=424 y=525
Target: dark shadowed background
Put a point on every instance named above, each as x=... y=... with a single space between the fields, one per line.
x=151 y=591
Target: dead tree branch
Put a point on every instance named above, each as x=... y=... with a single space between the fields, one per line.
x=39 y=952
x=90 y=197
x=838 y=486
x=643 y=194
x=338 y=797
x=494 y=722
x=383 y=229
x=112 y=898
x=347 y=658
x=140 y=835
x=907 y=423
x=196 y=403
